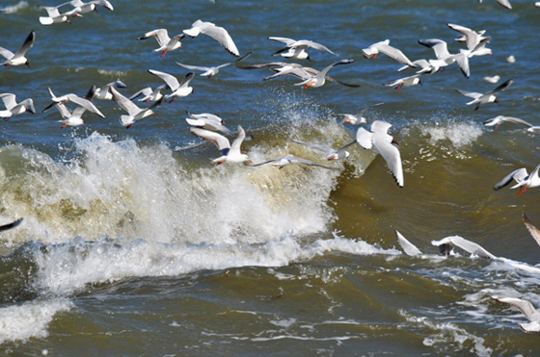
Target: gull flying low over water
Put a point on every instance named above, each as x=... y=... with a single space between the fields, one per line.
x=331 y=153
x=134 y=112
x=293 y=69
x=357 y=119
x=229 y=152
x=522 y=178
x=483 y=98
x=74 y=118
x=444 y=58
x=208 y=121
x=211 y=71
x=384 y=47
x=406 y=81
x=446 y=244
x=103 y=92
x=14 y=108
x=18 y=58
x=297 y=48
x=179 y=89
x=86 y=7
x=379 y=138
x=217 y=33
x=55 y=17
x=290 y=159
x=83 y=102
x=318 y=80
x=527 y=309
x=471 y=38
x=165 y=42
x=149 y=94
x=500 y=119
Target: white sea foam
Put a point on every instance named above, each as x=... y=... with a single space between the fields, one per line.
x=460 y=134
x=446 y=336
x=13 y=8
x=67 y=268
x=31 y=319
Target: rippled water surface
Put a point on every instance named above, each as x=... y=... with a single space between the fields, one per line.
x=134 y=243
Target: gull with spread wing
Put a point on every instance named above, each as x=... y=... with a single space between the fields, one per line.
x=14 y=108
x=217 y=33
x=165 y=42
x=297 y=48
x=229 y=152
x=379 y=138
x=19 y=57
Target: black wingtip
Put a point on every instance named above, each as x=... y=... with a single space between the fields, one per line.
x=11 y=225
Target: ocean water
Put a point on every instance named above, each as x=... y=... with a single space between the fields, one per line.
x=134 y=244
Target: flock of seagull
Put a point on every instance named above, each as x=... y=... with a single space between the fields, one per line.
x=211 y=127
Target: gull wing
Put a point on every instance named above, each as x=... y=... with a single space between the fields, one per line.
x=440 y=47
x=11 y=225
x=9 y=100
x=364 y=138
x=519 y=175
x=394 y=53
x=27 y=44
x=467 y=245
x=124 y=102
x=408 y=247
x=502 y=87
x=221 y=142
x=474 y=95
x=525 y=306
x=235 y=146
x=535 y=232
x=222 y=36
x=391 y=154
x=6 y=53
x=171 y=80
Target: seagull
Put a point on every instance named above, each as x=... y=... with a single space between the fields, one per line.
x=86 y=103
x=426 y=66
x=408 y=247
x=471 y=38
x=483 y=98
x=14 y=108
x=378 y=137
x=86 y=7
x=208 y=121
x=217 y=33
x=331 y=153
x=165 y=42
x=104 y=93
x=229 y=152
x=504 y=3
x=406 y=82
x=55 y=17
x=523 y=179
x=211 y=71
x=149 y=94
x=294 y=69
x=297 y=49
x=500 y=119
x=527 y=309
x=535 y=232
x=492 y=79
x=74 y=118
x=384 y=47
x=357 y=119
x=18 y=58
x=179 y=89
x=444 y=58
x=445 y=246
x=289 y=159
x=134 y=112
x=318 y=80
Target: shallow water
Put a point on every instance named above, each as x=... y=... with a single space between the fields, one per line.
x=133 y=243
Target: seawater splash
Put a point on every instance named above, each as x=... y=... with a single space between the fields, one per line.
x=122 y=189
x=10 y=9
x=31 y=319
